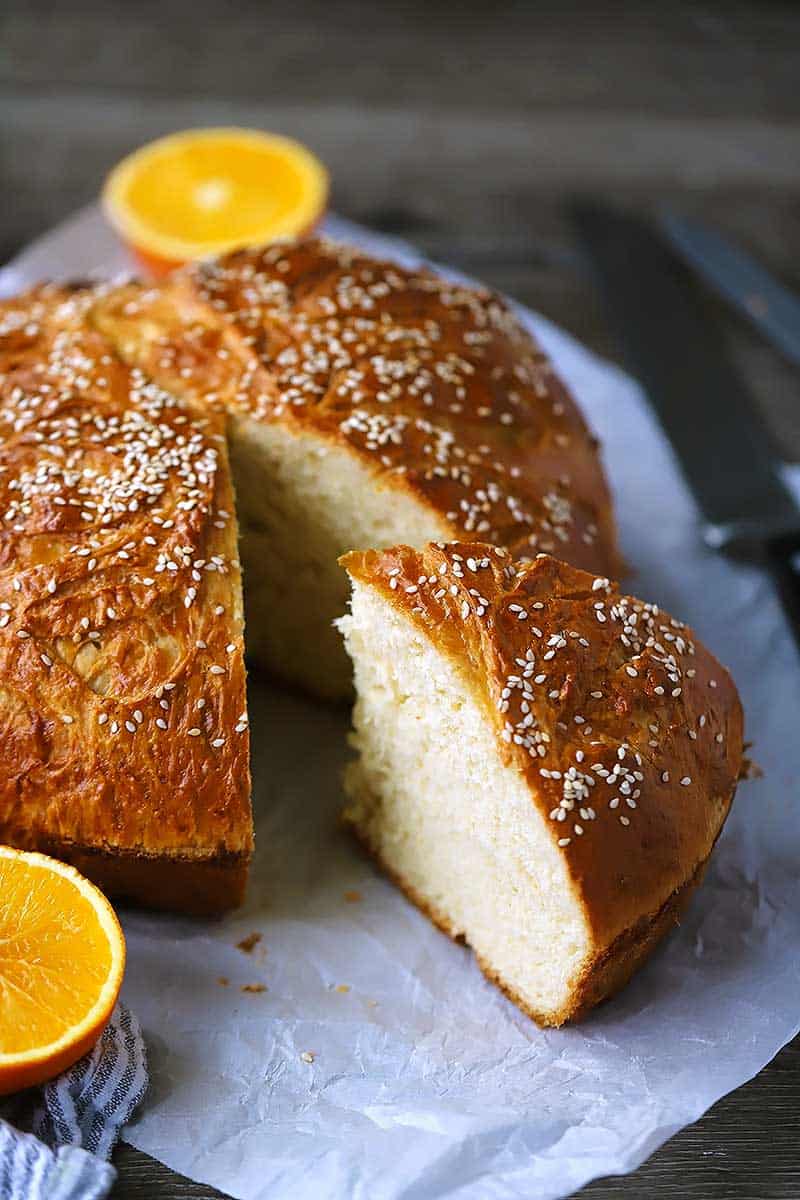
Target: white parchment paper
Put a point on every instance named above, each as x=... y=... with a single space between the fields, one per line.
x=425 y=1082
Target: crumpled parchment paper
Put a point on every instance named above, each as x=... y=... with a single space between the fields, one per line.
x=378 y=1064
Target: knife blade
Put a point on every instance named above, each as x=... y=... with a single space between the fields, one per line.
x=724 y=448
x=739 y=279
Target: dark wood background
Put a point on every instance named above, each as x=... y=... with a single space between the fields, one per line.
x=464 y=127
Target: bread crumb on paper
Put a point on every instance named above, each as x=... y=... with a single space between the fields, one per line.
x=249 y=943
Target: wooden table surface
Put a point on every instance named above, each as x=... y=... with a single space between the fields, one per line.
x=464 y=127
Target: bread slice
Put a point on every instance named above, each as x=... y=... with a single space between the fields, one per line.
x=367 y=405
x=543 y=764
x=123 y=725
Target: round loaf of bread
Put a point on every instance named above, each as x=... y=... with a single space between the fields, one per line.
x=367 y=405
x=544 y=764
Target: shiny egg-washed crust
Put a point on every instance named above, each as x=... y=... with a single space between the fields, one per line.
x=626 y=729
x=435 y=386
x=123 y=732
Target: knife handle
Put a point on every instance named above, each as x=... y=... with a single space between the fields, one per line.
x=783 y=561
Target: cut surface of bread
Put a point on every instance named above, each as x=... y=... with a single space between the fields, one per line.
x=123 y=725
x=368 y=404
x=543 y=764
x=302 y=501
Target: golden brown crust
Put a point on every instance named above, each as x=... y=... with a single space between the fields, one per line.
x=627 y=731
x=122 y=722
x=435 y=386
x=612 y=967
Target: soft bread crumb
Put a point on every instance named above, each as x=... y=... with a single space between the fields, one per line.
x=302 y=502
x=430 y=797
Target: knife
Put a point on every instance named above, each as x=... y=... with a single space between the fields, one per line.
x=739 y=279
x=724 y=448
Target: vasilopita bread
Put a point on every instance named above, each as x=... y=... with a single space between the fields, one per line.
x=367 y=405
x=544 y=764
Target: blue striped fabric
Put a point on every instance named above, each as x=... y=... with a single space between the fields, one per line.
x=78 y=1122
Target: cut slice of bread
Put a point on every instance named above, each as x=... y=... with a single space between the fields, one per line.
x=543 y=764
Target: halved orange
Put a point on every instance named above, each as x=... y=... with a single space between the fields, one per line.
x=62 y=957
x=206 y=191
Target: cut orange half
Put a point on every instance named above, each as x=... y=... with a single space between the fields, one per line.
x=206 y=191
x=62 y=957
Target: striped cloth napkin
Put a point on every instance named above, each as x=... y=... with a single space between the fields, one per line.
x=78 y=1121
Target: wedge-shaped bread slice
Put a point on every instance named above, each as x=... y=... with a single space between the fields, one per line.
x=543 y=764
x=123 y=730
x=368 y=405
